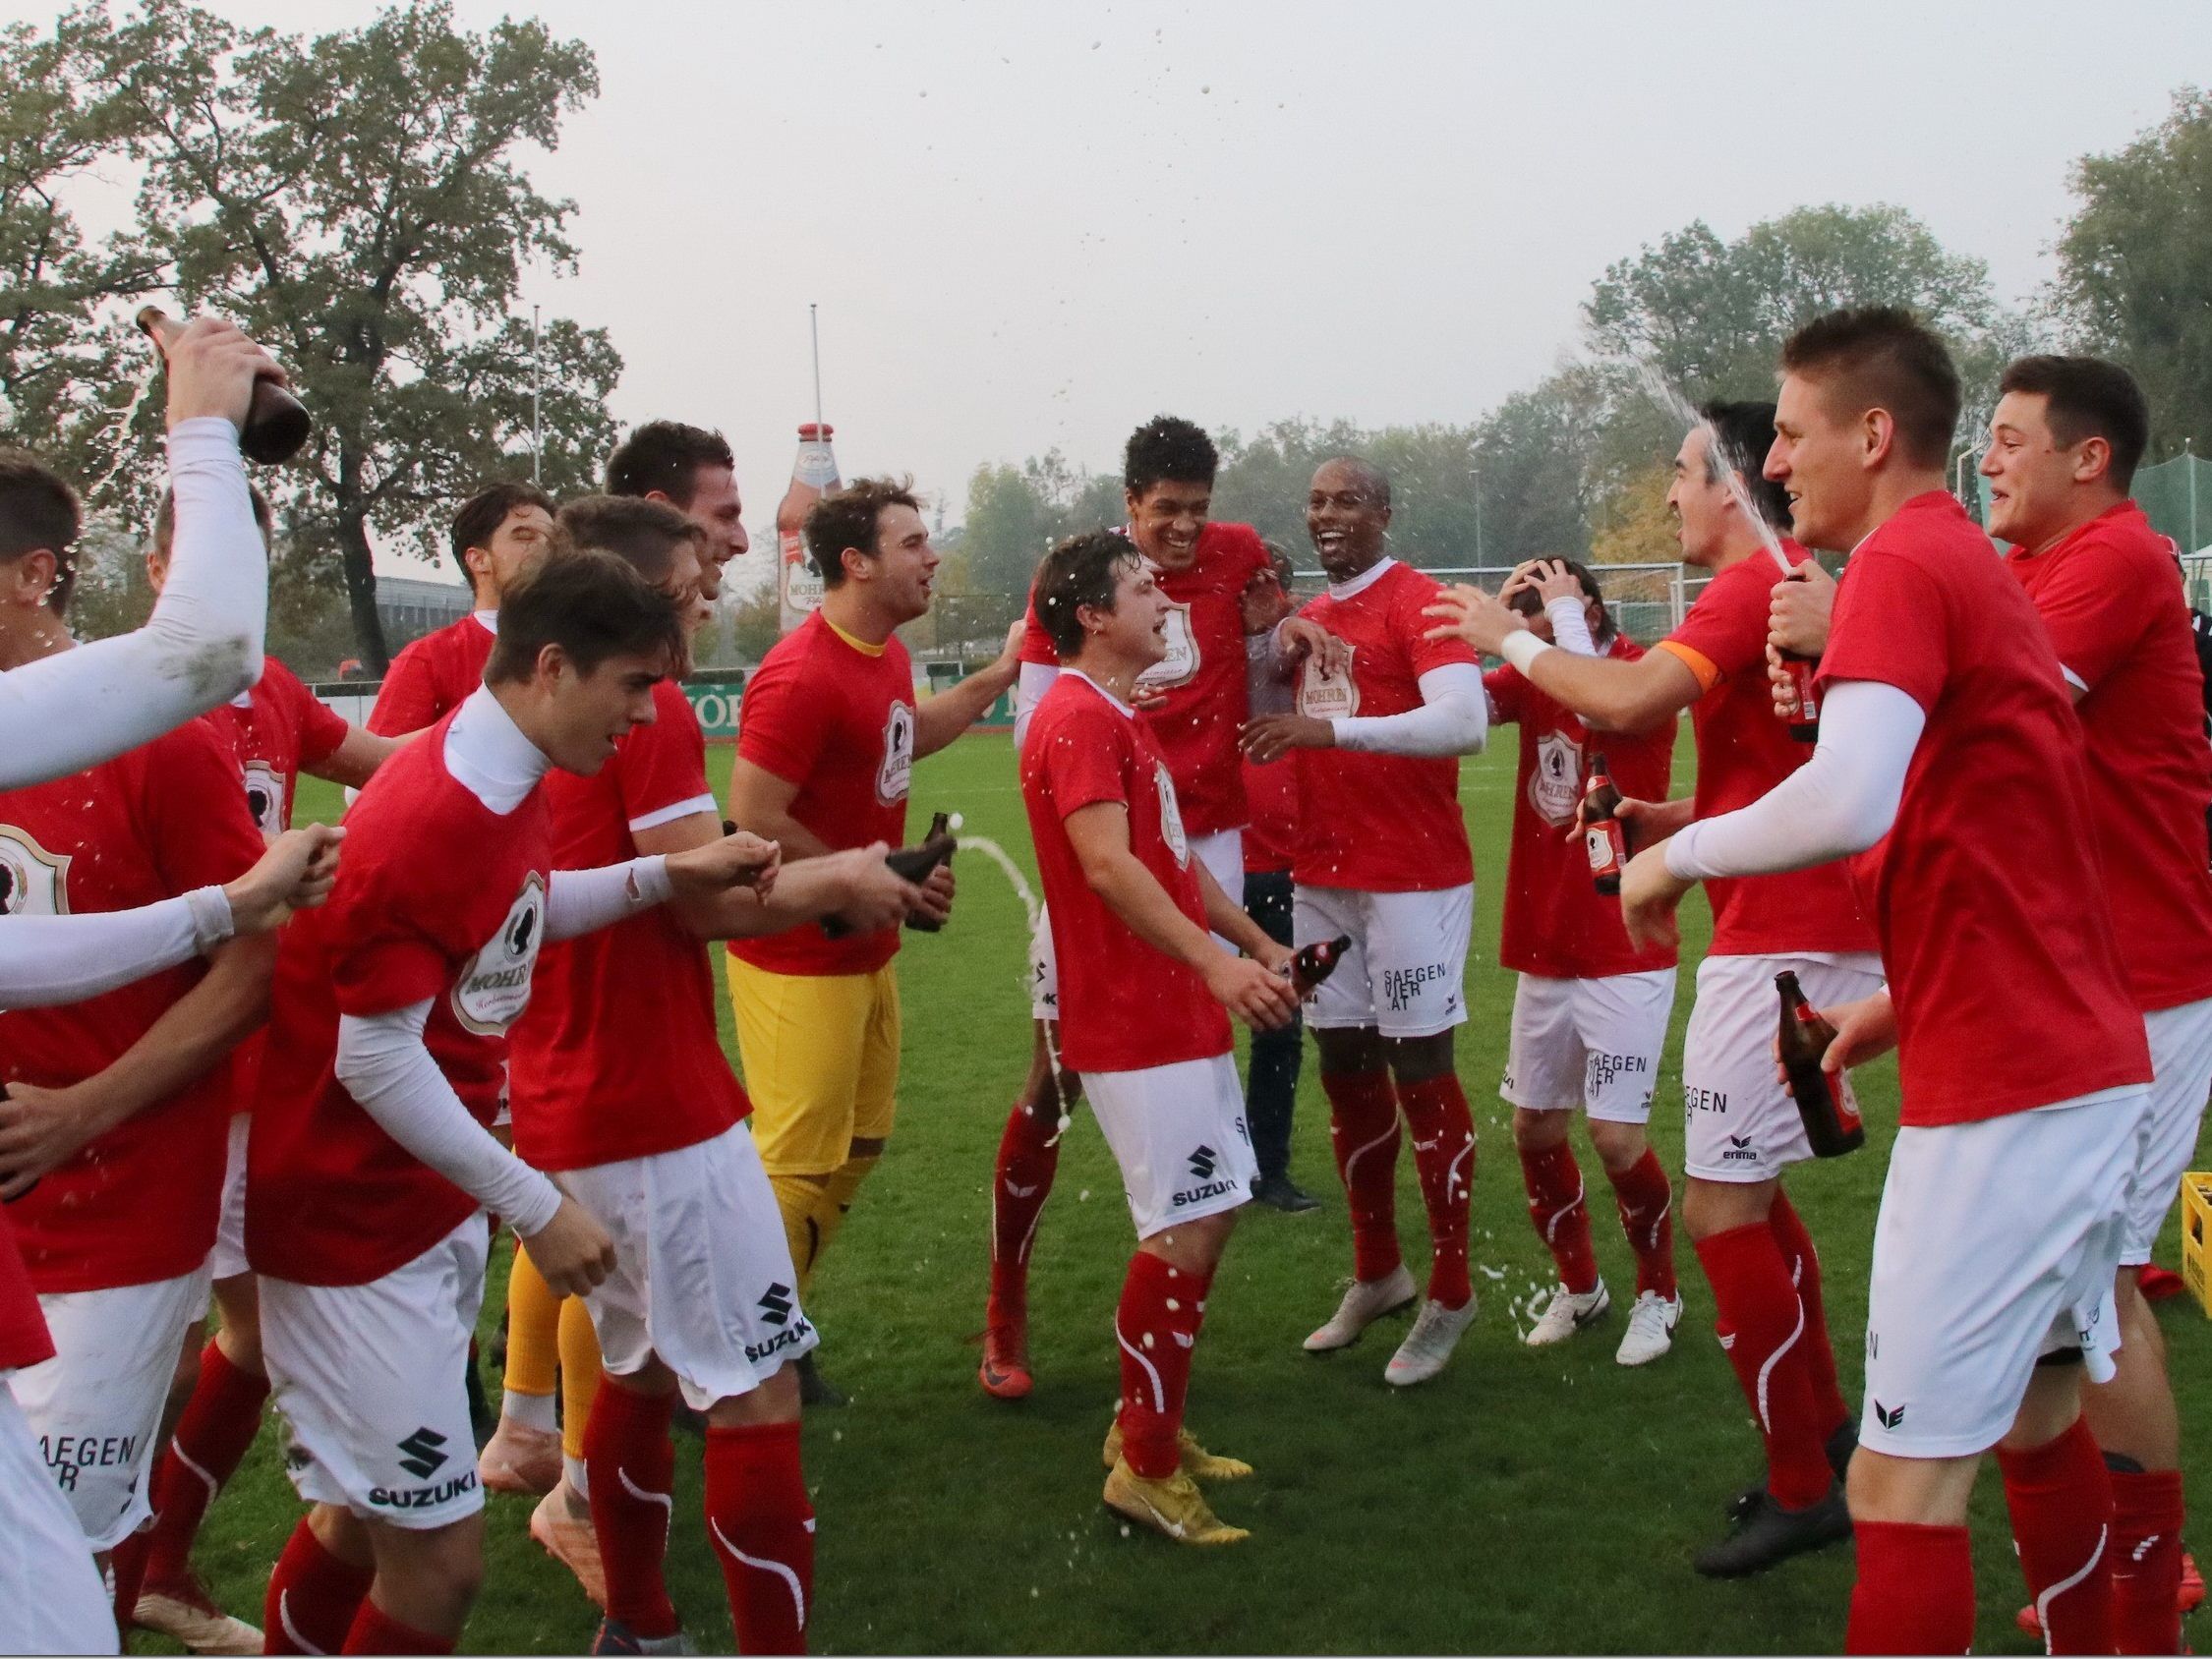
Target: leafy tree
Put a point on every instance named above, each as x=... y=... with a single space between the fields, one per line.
x=356 y=201
x=1015 y=513
x=2134 y=280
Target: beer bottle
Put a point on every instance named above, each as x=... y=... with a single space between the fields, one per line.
x=1805 y=724
x=1603 y=836
x=1316 y=962
x=277 y=424
x=798 y=585
x=915 y=864
x=1824 y=1099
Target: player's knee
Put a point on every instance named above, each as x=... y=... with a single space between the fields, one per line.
x=1537 y=1131
x=1417 y=1059
x=1619 y=1146
x=1350 y=1048
x=1911 y=1491
x=342 y=1533
x=2051 y=1403
x=1715 y=1207
x=870 y=1146
x=776 y=1400
x=442 y=1569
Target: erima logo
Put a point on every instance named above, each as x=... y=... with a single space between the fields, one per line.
x=1887 y=1419
x=776 y=1304
x=1203 y=1161
x=1740 y=1151
x=423 y=1459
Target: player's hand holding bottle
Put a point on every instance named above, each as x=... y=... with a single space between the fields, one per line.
x=878 y=896
x=739 y=859
x=1257 y=994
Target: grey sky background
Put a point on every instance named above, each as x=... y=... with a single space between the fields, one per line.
x=1033 y=225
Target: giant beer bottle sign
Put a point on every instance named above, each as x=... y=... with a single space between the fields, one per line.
x=814 y=475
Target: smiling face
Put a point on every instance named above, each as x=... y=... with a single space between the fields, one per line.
x=585 y=715
x=1822 y=458
x=1134 y=633
x=2036 y=486
x=719 y=512
x=1345 y=520
x=903 y=573
x=1704 y=510
x=1164 y=521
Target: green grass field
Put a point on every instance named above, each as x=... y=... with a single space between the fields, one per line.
x=1522 y=1503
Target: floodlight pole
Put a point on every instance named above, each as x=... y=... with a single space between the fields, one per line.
x=537 y=403
x=1474 y=480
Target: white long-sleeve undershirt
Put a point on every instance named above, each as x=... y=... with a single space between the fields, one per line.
x=1453 y=719
x=46 y=961
x=1030 y=688
x=200 y=648
x=582 y=901
x=385 y=1066
x=1840 y=802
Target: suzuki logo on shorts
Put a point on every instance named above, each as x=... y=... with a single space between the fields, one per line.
x=423 y=1459
x=776 y=1304
x=1203 y=1161
x=1887 y=1417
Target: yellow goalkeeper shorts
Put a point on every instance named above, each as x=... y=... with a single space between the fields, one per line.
x=821 y=1059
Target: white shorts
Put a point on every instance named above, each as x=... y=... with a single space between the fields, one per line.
x=2181 y=1045
x=702 y=1276
x=1741 y=1123
x=1405 y=973
x=372 y=1382
x=227 y=1260
x=1178 y=1132
x=51 y=1598
x=1223 y=855
x=1997 y=1244
x=1592 y=1042
x=96 y=1407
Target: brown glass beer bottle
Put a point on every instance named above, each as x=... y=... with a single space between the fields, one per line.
x=1831 y=1125
x=1317 y=961
x=277 y=424
x=1603 y=836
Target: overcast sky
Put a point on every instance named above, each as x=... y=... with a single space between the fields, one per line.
x=1031 y=226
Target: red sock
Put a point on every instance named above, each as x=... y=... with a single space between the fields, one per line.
x=1363 y=1133
x=1645 y=1198
x=629 y=1465
x=2146 y=1560
x=2061 y=1501
x=1028 y=1158
x=1760 y=1309
x=1157 y=1327
x=1804 y=1263
x=1562 y=1220
x=1915 y=1589
x=762 y=1528
x=376 y=1632
x=218 y=1426
x=1443 y=1151
x=127 y=1563
x=313 y=1597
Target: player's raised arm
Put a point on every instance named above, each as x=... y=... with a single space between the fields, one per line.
x=203 y=644
x=1608 y=694
x=941 y=717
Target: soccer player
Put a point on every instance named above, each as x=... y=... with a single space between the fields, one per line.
x=1271 y=800
x=621 y=1088
x=115 y=1118
x=1947 y=728
x=1742 y=1131
x=495 y=532
x=1142 y=986
x=826 y=739
x=372 y=1162
x=1194 y=699
x=279 y=730
x=1590 y=1011
x=533 y=1450
x=2065 y=439
x=1383 y=857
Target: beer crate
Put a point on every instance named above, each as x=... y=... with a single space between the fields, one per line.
x=2197 y=1236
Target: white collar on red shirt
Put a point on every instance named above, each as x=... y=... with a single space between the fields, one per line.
x=488 y=755
x=1078 y=673
x=1366 y=579
x=489 y=618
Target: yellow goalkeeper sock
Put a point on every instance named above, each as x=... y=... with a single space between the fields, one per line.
x=579 y=1374
x=533 y=1313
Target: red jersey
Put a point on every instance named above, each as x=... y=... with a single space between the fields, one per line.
x=138 y=1203
x=439 y=899
x=837 y=721
x=2111 y=597
x=1271 y=794
x=1994 y=931
x=1124 y=1005
x=1743 y=751
x=617 y=1056
x=279 y=729
x=1378 y=823
x=1557 y=922
x=1203 y=674
x=433 y=676
x=24 y=1336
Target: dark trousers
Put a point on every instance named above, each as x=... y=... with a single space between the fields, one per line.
x=1272 y=1086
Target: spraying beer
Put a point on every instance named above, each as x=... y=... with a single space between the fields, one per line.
x=1824 y=1099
